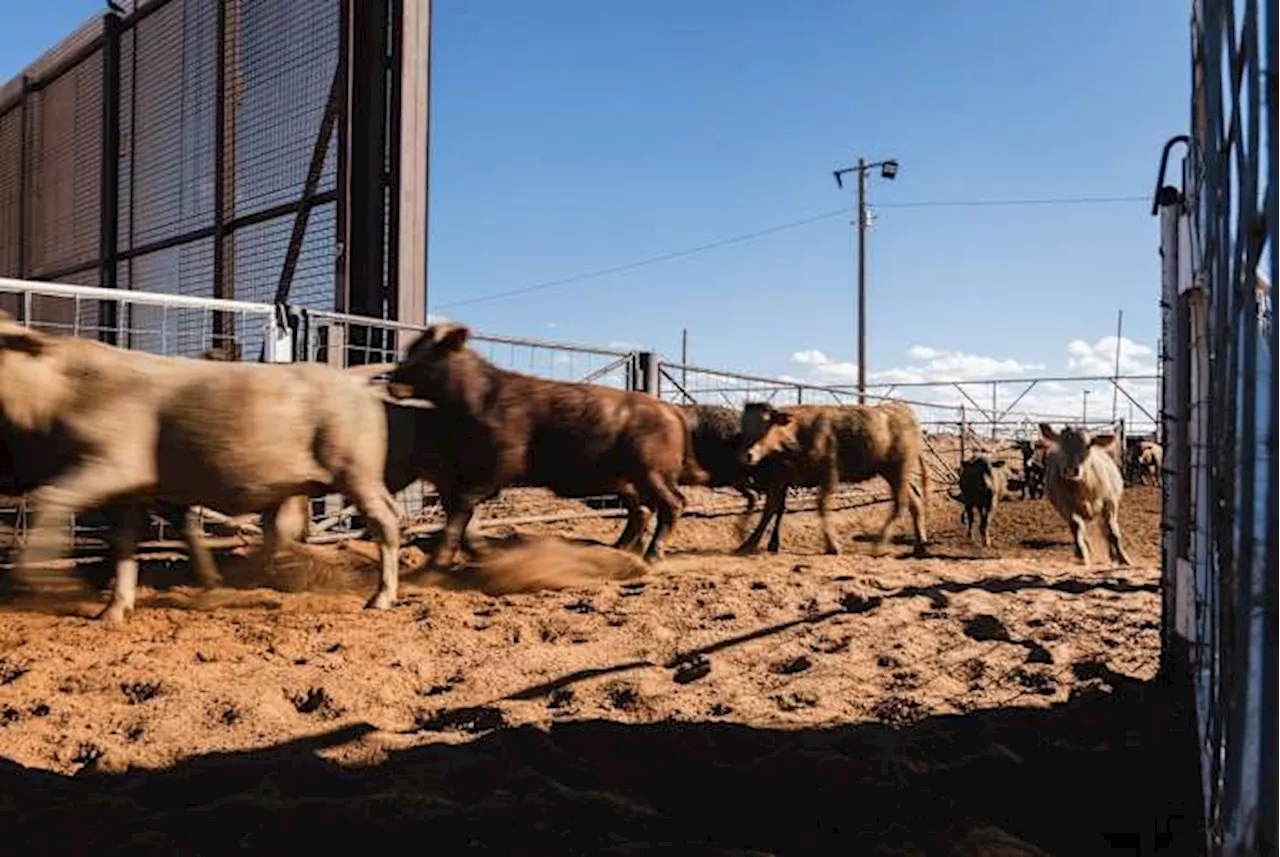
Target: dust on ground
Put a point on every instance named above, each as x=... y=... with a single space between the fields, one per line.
x=788 y=703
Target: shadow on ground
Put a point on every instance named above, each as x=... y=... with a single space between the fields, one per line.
x=1105 y=773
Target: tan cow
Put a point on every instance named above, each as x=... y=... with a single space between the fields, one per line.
x=236 y=437
x=1083 y=483
x=822 y=446
x=1151 y=460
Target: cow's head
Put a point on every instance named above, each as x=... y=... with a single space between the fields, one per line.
x=425 y=370
x=30 y=384
x=766 y=431
x=1074 y=446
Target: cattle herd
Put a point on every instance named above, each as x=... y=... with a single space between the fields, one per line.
x=88 y=426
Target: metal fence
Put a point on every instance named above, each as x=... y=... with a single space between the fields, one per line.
x=1219 y=558
x=209 y=148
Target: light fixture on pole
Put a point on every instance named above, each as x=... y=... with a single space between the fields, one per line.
x=888 y=170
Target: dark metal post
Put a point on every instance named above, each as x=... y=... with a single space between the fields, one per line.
x=649 y=372
x=862 y=281
x=109 y=177
x=227 y=88
x=24 y=177
x=684 y=358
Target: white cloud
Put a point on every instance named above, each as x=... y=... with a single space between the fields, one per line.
x=956 y=378
x=1099 y=358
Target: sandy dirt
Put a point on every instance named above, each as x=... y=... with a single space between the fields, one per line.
x=566 y=700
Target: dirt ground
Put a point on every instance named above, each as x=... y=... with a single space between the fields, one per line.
x=548 y=704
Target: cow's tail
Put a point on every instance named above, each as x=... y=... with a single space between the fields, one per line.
x=926 y=478
x=691 y=472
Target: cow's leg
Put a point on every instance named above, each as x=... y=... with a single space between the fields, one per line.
x=1078 y=533
x=661 y=492
x=82 y=488
x=382 y=517
x=637 y=520
x=984 y=526
x=968 y=517
x=1111 y=514
x=775 y=538
x=899 y=484
x=829 y=482
x=459 y=507
x=202 y=564
x=775 y=502
x=126 y=522
x=744 y=521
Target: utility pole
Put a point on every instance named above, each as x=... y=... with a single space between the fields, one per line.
x=684 y=359
x=862 y=282
x=1115 y=378
x=888 y=169
x=1084 y=410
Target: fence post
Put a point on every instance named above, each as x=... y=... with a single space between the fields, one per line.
x=109 y=178
x=647 y=373
x=995 y=410
x=964 y=430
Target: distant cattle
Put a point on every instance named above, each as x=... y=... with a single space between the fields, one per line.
x=822 y=446
x=128 y=429
x=1032 y=468
x=717 y=445
x=1084 y=484
x=1143 y=463
x=504 y=428
x=983 y=482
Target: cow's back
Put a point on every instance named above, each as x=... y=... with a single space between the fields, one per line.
x=873 y=438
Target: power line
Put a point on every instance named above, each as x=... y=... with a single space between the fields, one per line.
x=782 y=227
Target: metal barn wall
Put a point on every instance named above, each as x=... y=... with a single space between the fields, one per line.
x=241 y=149
x=1219 y=553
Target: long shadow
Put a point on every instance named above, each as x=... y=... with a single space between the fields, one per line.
x=1104 y=773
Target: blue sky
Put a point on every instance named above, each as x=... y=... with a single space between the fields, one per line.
x=570 y=136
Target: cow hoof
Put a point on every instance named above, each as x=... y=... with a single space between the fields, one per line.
x=113 y=615
x=380 y=601
x=745 y=552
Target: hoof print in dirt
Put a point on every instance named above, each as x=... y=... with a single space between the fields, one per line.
x=986 y=628
x=851 y=602
x=904 y=680
x=791 y=666
x=40 y=709
x=560 y=698
x=133 y=732
x=87 y=755
x=451 y=681
x=691 y=669
x=795 y=701
x=9 y=715
x=887 y=662
x=140 y=691
x=230 y=715
x=831 y=645
x=481 y=718
x=622 y=696
x=757 y=585
x=582 y=605
x=316 y=701
x=202 y=658
x=1038 y=654
x=898 y=711
x=1035 y=681
x=635 y=588
x=10 y=672
x=720 y=709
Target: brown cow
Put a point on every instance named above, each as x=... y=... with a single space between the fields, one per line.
x=983 y=483
x=717 y=445
x=505 y=428
x=1151 y=461
x=1082 y=483
x=821 y=446
x=139 y=428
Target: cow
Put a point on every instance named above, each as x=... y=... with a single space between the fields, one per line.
x=717 y=443
x=1151 y=460
x=1032 y=468
x=1083 y=483
x=137 y=428
x=821 y=446
x=504 y=428
x=983 y=483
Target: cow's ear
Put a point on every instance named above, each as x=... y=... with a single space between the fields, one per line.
x=16 y=337
x=455 y=338
x=781 y=418
x=999 y=462
x=1102 y=440
x=1047 y=432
